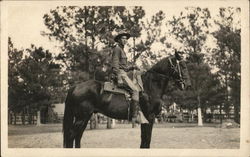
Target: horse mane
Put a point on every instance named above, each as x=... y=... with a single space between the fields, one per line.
x=158 y=73
x=162 y=67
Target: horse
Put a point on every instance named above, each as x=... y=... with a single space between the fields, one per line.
x=88 y=97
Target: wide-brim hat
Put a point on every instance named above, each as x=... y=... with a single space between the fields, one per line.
x=120 y=34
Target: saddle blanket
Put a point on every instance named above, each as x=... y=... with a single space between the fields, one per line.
x=111 y=87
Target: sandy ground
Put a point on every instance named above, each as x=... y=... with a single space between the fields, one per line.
x=168 y=135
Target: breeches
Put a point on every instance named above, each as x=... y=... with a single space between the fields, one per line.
x=135 y=91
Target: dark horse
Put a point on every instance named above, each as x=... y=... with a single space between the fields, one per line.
x=88 y=97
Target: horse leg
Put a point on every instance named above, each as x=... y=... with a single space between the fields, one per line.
x=69 y=143
x=69 y=139
x=74 y=131
x=146 y=133
x=83 y=124
x=143 y=135
x=150 y=128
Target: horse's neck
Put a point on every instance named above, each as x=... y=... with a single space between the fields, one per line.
x=152 y=87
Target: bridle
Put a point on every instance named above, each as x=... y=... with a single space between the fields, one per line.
x=177 y=69
x=174 y=69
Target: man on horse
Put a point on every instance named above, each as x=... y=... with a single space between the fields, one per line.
x=120 y=68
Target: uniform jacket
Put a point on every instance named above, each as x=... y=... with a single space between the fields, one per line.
x=119 y=60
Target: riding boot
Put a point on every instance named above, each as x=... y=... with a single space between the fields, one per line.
x=135 y=112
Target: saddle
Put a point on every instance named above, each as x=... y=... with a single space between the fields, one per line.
x=111 y=85
x=113 y=88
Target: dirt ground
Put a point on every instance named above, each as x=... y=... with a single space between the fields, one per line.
x=168 y=135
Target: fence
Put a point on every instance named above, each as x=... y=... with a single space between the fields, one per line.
x=22 y=119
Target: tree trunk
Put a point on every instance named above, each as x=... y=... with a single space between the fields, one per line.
x=113 y=123
x=14 y=118
x=110 y=123
x=9 y=117
x=38 y=119
x=189 y=116
x=236 y=113
x=192 y=116
x=220 y=113
x=23 y=118
x=33 y=119
x=134 y=59
x=199 y=117
x=96 y=121
x=227 y=105
x=92 y=122
x=93 y=42
x=29 y=116
x=181 y=113
x=199 y=112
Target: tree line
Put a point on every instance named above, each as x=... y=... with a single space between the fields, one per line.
x=40 y=78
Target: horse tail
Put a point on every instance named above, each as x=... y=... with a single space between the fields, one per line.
x=68 y=118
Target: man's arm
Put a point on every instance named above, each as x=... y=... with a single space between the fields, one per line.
x=115 y=60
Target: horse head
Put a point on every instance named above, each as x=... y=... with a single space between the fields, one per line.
x=181 y=73
x=174 y=68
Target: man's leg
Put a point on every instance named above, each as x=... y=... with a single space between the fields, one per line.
x=135 y=106
x=135 y=98
x=139 y=80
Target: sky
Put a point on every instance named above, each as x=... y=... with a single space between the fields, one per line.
x=26 y=23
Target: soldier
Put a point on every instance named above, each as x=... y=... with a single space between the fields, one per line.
x=120 y=68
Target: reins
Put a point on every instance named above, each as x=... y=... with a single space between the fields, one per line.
x=154 y=72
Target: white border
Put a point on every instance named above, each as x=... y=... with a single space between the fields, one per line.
x=245 y=118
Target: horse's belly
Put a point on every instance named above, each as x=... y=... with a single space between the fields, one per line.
x=117 y=107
